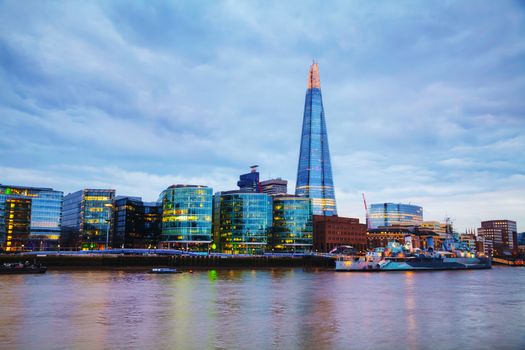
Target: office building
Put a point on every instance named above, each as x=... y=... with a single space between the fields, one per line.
x=335 y=231
x=274 y=187
x=87 y=219
x=521 y=238
x=250 y=181
x=292 y=229
x=314 y=171
x=502 y=233
x=393 y=214
x=186 y=217
x=29 y=218
x=136 y=223
x=242 y=221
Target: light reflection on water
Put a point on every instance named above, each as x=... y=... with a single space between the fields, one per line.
x=261 y=309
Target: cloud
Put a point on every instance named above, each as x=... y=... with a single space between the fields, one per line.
x=424 y=102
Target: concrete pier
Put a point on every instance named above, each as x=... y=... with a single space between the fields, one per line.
x=114 y=260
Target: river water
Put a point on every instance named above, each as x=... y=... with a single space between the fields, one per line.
x=264 y=309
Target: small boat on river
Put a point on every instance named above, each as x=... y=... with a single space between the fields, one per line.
x=164 y=270
x=21 y=268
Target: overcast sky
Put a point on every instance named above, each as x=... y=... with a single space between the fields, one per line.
x=424 y=100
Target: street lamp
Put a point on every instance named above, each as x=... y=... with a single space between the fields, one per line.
x=108 y=221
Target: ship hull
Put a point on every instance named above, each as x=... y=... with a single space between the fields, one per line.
x=22 y=270
x=414 y=265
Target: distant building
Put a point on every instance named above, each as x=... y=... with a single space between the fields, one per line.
x=29 y=218
x=17 y=220
x=87 y=219
x=521 y=238
x=274 y=187
x=314 y=171
x=469 y=239
x=411 y=236
x=484 y=245
x=441 y=228
x=242 y=221
x=250 y=181
x=186 y=217
x=392 y=214
x=521 y=242
x=334 y=231
x=292 y=229
x=502 y=233
x=136 y=223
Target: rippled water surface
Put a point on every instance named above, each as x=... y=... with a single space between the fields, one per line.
x=263 y=309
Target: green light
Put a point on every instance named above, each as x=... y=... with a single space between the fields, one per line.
x=213 y=246
x=212 y=275
x=7 y=191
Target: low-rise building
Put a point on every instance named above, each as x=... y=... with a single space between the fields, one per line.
x=87 y=219
x=242 y=221
x=292 y=229
x=333 y=231
x=186 y=217
x=136 y=223
x=484 y=245
x=413 y=236
x=441 y=228
x=30 y=218
x=469 y=239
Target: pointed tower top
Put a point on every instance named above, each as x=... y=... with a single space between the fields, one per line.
x=313 y=77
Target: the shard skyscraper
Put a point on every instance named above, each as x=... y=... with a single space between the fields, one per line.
x=314 y=172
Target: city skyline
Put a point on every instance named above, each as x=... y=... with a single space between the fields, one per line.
x=428 y=112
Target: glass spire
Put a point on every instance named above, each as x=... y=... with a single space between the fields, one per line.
x=314 y=172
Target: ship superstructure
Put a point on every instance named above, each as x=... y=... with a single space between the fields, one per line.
x=453 y=255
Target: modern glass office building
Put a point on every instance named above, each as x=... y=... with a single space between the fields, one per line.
x=314 y=172
x=136 y=223
x=292 y=229
x=250 y=181
x=87 y=219
x=186 y=217
x=394 y=214
x=29 y=217
x=242 y=221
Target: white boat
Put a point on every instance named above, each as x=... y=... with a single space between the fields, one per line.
x=166 y=270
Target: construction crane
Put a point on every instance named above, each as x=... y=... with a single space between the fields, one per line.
x=366 y=210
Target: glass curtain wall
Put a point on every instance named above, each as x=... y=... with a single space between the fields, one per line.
x=244 y=222
x=391 y=214
x=186 y=217
x=314 y=172
x=292 y=224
